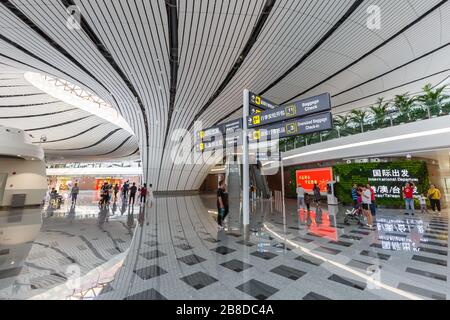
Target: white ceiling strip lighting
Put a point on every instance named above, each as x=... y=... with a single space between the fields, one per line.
x=94 y=105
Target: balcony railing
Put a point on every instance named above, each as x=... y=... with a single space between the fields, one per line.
x=391 y=119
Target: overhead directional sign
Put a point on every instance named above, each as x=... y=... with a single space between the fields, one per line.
x=302 y=108
x=311 y=124
x=230 y=140
x=259 y=104
x=219 y=130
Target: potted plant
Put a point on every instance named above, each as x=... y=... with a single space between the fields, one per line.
x=433 y=98
x=404 y=103
x=379 y=112
x=358 y=117
x=340 y=124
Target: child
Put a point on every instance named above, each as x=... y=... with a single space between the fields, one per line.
x=307 y=201
x=423 y=203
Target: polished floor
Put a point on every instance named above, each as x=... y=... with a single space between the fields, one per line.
x=174 y=250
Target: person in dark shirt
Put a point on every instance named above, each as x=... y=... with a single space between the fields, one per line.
x=133 y=191
x=222 y=203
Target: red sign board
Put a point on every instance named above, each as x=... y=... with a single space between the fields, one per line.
x=307 y=178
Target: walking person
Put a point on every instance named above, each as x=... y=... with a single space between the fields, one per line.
x=355 y=195
x=300 y=197
x=373 y=206
x=366 y=202
x=125 y=188
x=133 y=191
x=74 y=193
x=143 y=194
x=317 y=195
x=423 y=204
x=434 y=194
x=408 y=195
x=222 y=203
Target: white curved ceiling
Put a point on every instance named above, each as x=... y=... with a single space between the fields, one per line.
x=71 y=133
x=165 y=64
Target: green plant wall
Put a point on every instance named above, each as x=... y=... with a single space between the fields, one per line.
x=359 y=173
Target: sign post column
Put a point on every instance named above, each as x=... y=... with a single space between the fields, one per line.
x=245 y=165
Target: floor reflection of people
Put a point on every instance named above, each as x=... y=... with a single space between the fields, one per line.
x=114 y=209
x=130 y=217
x=71 y=214
x=124 y=208
x=103 y=215
x=142 y=216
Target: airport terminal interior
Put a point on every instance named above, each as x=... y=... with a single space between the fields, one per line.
x=224 y=150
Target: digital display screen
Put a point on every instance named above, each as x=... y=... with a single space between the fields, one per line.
x=321 y=177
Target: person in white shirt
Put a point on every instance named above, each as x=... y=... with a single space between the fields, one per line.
x=366 y=202
x=300 y=197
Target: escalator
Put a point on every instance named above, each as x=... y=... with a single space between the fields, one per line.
x=259 y=181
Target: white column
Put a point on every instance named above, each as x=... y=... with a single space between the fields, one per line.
x=245 y=163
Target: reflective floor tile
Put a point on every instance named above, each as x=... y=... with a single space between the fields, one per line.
x=223 y=250
x=351 y=237
x=309 y=259
x=184 y=247
x=315 y=296
x=434 y=251
x=348 y=282
x=438 y=262
x=153 y=254
x=421 y=291
x=245 y=243
x=236 y=265
x=341 y=243
x=427 y=274
x=288 y=272
x=362 y=265
x=199 y=280
x=212 y=240
x=264 y=255
x=328 y=250
x=434 y=243
x=151 y=243
x=360 y=232
x=257 y=289
x=192 y=259
x=376 y=255
x=150 y=272
x=303 y=239
x=151 y=294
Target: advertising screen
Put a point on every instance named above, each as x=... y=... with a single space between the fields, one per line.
x=307 y=178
